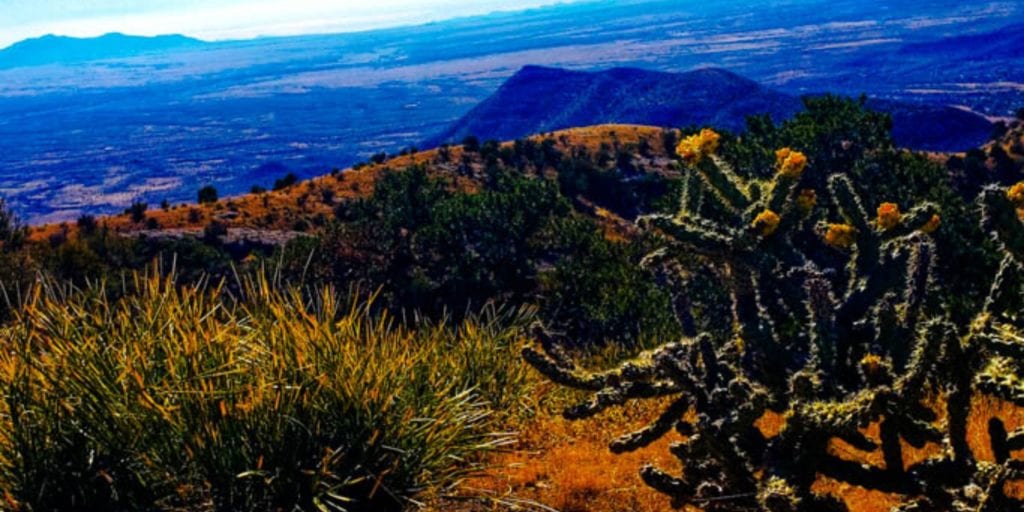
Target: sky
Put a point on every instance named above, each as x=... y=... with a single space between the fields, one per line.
x=230 y=19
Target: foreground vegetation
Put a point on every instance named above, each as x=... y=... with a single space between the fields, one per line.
x=181 y=397
x=837 y=308
x=836 y=327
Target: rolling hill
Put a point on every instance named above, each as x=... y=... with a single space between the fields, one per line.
x=541 y=99
x=52 y=49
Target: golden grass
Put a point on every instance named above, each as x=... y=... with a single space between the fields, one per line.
x=282 y=398
x=567 y=466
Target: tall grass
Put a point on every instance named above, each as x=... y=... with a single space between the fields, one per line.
x=176 y=397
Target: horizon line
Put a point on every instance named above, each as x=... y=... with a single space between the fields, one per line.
x=541 y=5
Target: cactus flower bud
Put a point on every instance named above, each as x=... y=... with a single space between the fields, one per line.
x=841 y=236
x=766 y=222
x=888 y=216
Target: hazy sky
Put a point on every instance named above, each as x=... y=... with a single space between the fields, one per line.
x=229 y=19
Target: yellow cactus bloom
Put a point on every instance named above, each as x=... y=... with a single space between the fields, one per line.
x=841 y=236
x=888 y=216
x=932 y=225
x=695 y=147
x=791 y=163
x=766 y=222
x=807 y=200
x=1020 y=214
x=1016 y=195
x=871 y=363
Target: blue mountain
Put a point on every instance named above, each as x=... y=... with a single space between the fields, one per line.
x=1005 y=43
x=541 y=99
x=53 y=49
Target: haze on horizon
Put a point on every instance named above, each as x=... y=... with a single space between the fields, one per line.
x=231 y=19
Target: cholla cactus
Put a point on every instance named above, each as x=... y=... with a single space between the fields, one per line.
x=835 y=328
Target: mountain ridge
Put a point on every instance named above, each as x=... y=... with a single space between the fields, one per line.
x=539 y=99
x=57 y=49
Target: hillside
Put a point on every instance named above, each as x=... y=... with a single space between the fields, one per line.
x=53 y=49
x=311 y=201
x=539 y=99
x=1005 y=43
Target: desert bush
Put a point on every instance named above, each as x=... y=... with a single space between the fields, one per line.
x=207 y=194
x=837 y=326
x=597 y=292
x=271 y=400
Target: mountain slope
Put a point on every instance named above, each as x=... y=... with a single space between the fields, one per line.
x=53 y=49
x=1004 y=43
x=539 y=99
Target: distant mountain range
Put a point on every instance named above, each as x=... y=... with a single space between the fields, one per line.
x=53 y=49
x=92 y=125
x=541 y=99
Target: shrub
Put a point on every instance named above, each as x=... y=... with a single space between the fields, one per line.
x=283 y=401
x=137 y=211
x=285 y=182
x=207 y=194
x=471 y=144
x=12 y=232
x=87 y=224
x=214 y=230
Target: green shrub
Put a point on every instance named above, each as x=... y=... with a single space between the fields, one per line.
x=207 y=194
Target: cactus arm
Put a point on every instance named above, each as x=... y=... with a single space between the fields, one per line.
x=617 y=395
x=848 y=202
x=681 y=491
x=1000 y=219
x=724 y=184
x=654 y=431
x=692 y=195
x=1004 y=286
x=999 y=378
x=700 y=236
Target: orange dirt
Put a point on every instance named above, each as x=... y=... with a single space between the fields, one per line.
x=566 y=466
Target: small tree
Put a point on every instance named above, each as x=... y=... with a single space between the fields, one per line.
x=208 y=194
x=471 y=144
x=87 y=224
x=138 y=211
x=12 y=232
x=214 y=230
x=285 y=182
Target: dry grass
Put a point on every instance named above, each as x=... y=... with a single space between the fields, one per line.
x=567 y=465
x=279 y=400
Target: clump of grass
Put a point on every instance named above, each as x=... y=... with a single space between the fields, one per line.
x=279 y=400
